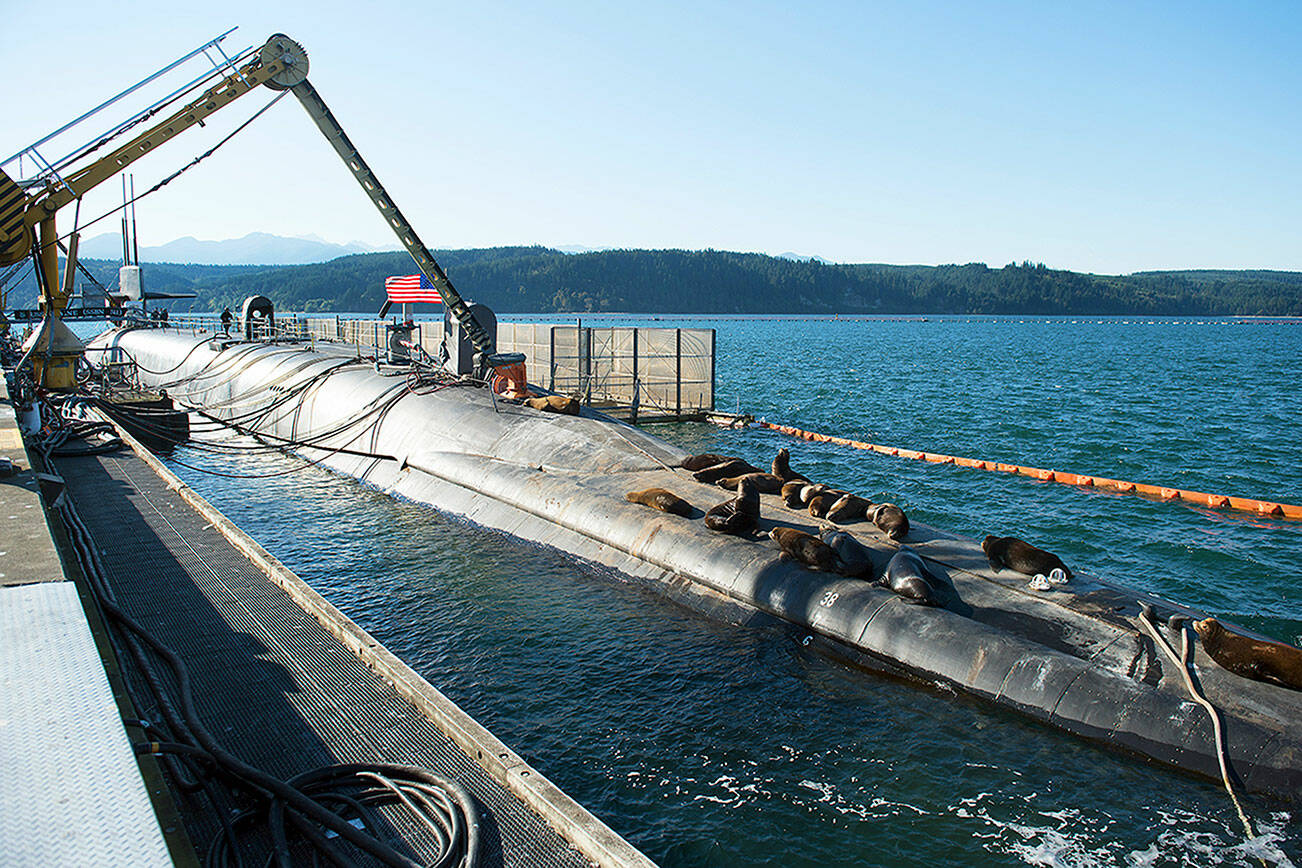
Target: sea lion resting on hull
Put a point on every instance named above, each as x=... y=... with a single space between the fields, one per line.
x=1019 y=555
x=856 y=561
x=819 y=498
x=563 y=404
x=765 y=483
x=850 y=507
x=659 y=498
x=890 y=519
x=731 y=467
x=908 y=575
x=806 y=548
x=707 y=459
x=1258 y=659
x=791 y=493
x=820 y=503
x=737 y=516
x=782 y=467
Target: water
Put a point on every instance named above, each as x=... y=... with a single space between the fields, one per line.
x=710 y=744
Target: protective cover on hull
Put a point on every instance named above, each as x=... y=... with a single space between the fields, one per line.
x=1074 y=657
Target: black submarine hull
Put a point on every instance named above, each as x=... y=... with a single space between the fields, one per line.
x=1074 y=657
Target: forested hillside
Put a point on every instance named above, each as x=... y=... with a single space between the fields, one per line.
x=540 y=280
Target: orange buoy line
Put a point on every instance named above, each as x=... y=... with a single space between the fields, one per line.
x=1161 y=492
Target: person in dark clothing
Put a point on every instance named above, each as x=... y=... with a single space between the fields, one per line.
x=227 y=316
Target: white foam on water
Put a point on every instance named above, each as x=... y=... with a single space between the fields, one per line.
x=1080 y=838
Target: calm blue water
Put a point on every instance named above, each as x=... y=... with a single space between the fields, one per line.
x=710 y=744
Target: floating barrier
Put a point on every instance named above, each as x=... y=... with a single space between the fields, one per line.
x=1159 y=492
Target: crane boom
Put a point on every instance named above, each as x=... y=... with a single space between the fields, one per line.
x=325 y=121
x=27 y=219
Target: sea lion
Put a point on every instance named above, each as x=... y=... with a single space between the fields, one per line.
x=891 y=520
x=765 y=483
x=810 y=490
x=731 y=467
x=791 y=493
x=806 y=548
x=1258 y=659
x=659 y=498
x=1019 y=555
x=737 y=516
x=907 y=575
x=820 y=503
x=563 y=404
x=782 y=467
x=856 y=560
x=849 y=507
x=707 y=459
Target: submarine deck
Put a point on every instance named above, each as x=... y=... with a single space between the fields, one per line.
x=289 y=684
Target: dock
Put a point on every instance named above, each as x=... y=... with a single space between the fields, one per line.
x=281 y=678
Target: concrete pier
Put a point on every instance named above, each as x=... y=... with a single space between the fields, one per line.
x=283 y=680
x=71 y=791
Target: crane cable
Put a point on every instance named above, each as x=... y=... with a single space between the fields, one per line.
x=172 y=177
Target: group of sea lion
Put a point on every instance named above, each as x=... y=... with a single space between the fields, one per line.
x=907 y=574
x=796 y=490
x=837 y=551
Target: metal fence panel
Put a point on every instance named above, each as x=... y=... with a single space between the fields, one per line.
x=641 y=371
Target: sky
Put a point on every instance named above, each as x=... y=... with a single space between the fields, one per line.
x=1101 y=137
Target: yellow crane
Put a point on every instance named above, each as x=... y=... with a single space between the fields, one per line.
x=27 y=217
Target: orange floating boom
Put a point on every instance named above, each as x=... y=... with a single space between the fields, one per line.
x=1160 y=492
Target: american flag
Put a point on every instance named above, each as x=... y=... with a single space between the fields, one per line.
x=410 y=288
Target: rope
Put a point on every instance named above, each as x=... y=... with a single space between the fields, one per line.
x=1182 y=663
x=1200 y=498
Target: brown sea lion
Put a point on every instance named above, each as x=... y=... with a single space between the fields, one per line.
x=1258 y=659
x=737 y=516
x=791 y=493
x=820 y=503
x=811 y=490
x=806 y=548
x=890 y=519
x=849 y=507
x=731 y=467
x=1019 y=555
x=707 y=459
x=659 y=498
x=563 y=404
x=782 y=467
x=765 y=483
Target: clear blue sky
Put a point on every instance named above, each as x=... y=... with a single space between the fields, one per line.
x=1106 y=137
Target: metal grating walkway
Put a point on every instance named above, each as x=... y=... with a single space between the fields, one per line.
x=271 y=683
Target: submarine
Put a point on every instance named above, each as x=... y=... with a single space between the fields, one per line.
x=1084 y=657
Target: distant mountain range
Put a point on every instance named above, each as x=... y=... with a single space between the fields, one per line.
x=262 y=248
x=256 y=248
